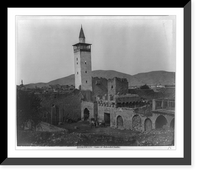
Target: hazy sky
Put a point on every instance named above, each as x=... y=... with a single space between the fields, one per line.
x=129 y=44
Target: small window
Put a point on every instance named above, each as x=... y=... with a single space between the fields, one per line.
x=86 y=81
x=77 y=63
x=77 y=72
x=85 y=62
x=85 y=71
x=112 y=87
x=77 y=59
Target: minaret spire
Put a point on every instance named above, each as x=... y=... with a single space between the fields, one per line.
x=81 y=36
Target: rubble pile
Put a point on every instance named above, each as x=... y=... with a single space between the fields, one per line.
x=83 y=135
x=157 y=137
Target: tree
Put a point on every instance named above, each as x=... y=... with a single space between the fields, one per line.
x=28 y=107
x=144 y=87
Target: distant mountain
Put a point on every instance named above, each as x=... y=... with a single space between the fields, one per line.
x=154 y=77
x=69 y=80
x=108 y=74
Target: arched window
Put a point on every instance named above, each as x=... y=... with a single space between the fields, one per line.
x=119 y=122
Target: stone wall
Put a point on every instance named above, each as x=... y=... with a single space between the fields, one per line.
x=111 y=88
x=68 y=106
x=131 y=120
x=87 y=95
x=154 y=117
x=108 y=110
x=126 y=115
x=117 y=86
x=86 y=74
x=121 y=85
x=99 y=86
x=77 y=68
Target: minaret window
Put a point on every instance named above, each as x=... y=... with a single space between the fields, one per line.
x=85 y=62
x=77 y=59
x=77 y=72
x=86 y=81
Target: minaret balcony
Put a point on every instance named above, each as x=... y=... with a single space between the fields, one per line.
x=82 y=47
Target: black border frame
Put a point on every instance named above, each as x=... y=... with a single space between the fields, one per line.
x=186 y=160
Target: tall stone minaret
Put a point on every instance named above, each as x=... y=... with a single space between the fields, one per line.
x=82 y=63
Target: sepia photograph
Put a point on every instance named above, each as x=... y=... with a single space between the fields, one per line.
x=95 y=81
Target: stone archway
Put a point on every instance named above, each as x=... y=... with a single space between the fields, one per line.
x=86 y=113
x=136 y=123
x=172 y=123
x=119 y=122
x=148 y=125
x=160 y=122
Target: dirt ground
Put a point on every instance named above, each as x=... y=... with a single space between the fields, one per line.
x=82 y=134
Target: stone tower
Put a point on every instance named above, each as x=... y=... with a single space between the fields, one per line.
x=82 y=63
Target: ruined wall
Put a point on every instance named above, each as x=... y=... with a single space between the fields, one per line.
x=111 y=89
x=121 y=85
x=131 y=120
x=117 y=86
x=154 y=117
x=87 y=95
x=106 y=109
x=137 y=123
x=68 y=106
x=99 y=86
x=126 y=115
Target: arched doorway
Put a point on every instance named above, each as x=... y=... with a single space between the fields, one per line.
x=119 y=122
x=172 y=123
x=148 y=125
x=86 y=114
x=136 y=123
x=160 y=122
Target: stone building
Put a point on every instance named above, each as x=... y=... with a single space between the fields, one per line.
x=163 y=111
x=109 y=100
